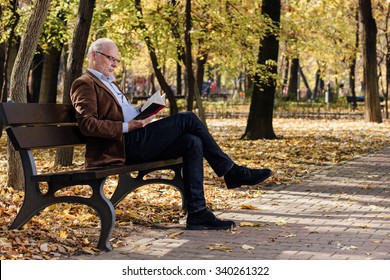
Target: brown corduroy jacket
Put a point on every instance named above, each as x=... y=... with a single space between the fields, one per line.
x=100 y=119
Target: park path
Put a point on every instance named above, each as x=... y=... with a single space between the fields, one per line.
x=338 y=213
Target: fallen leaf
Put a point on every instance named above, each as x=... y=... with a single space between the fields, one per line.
x=219 y=247
x=44 y=247
x=247 y=247
x=89 y=250
x=366 y=187
x=287 y=235
x=63 y=234
x=176 y=234
x=281 y=223
x=250 y=224
x=61 y=249
x=364 y=226
x=248 y=206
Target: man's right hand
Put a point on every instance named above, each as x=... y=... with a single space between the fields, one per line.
x=136 y=124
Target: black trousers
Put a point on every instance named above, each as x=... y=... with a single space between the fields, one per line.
x=180 y=135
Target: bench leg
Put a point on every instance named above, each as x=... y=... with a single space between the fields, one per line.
x=127 y=183
x=106 y=212
x=34 y=202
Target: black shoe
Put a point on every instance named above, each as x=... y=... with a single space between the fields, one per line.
x=206 y=220
x=239 y=175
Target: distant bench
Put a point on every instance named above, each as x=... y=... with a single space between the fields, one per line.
x=215 y=96
x=43 y=126
x=361 y=99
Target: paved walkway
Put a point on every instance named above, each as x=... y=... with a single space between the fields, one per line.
x=338 y=213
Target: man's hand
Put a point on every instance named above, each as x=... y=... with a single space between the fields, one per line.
x=135 y=124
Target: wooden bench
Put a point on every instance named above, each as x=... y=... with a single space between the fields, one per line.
x=361 y=99
x=43 y=126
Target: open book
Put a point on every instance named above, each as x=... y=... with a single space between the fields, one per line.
x=152 y=106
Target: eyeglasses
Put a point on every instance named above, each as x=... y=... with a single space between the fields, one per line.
x=113 y=59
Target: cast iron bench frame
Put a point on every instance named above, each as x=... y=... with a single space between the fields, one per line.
x=33 y=126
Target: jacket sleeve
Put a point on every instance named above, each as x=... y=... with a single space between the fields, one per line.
x=97 y=115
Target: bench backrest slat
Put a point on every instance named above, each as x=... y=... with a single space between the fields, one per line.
x=38 y=137
x=33 y=113
x=37 y=126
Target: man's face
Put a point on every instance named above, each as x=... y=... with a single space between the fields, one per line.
x=105 y=60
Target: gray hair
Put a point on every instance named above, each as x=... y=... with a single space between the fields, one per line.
x=97 y=45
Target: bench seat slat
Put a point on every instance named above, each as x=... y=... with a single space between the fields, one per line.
x=97 y=173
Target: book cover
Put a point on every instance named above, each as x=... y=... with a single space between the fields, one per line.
x=152 y=106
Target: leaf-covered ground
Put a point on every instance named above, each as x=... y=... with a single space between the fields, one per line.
x=303 y=147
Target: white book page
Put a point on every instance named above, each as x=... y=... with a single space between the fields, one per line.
x=155 y=98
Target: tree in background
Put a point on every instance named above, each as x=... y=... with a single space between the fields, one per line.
x=74 y=64
x=19 y=78
x=259 y=125
x=153 y=56
x=52 y=41
x=10 y=42
x=370 y=73
x=383 y=20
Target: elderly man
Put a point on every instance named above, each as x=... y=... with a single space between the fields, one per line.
x=106 y=118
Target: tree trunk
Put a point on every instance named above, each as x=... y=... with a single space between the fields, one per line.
x=352 y=67
x=180 y=49
x=293 y=81
x=317 y=84
x=36 y=77
x=188 y=58
x=200 y=62
x=387 y=83
x=371 y=89
x=309 y=93
x=387 y=80
x=260 y=117
x=51 y=67
x=173 y=109
x=286 y=69
x=13 y=46
x=2 y=62
x=74 y=64
x=179 y=88
x=18 y=81
x=193 y=90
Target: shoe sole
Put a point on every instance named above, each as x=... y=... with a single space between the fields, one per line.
x=202 y=227
x=233 y=186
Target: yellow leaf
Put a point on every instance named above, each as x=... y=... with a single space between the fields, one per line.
x=219 y=247
x=281 y=223
x=248 y=206
x=176 y=234
x=364 y=226
x=250 y=224
x=89 y=250
x=63 y=234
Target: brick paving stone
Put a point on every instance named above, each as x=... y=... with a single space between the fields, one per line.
x=337 y=213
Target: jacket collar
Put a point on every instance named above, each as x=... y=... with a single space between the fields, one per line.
x=102 y=85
